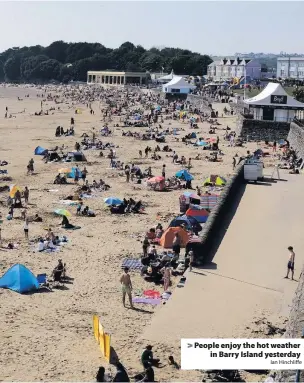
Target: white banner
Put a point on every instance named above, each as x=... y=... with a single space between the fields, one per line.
x=242 y=354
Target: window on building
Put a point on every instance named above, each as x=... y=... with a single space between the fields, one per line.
x=175 y=90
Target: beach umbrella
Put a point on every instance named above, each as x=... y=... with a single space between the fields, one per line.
x=64 y=170
x=156 y=179
x=62 y=212
x=191 y=195
x=184 y=175
x=112 y=201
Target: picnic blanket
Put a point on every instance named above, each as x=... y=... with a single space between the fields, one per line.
x=132 y=264
x=67 y=202
x=72 y=228
x=149 y=301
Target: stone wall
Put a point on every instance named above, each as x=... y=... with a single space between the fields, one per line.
x=218 y=215
x=294 y=329
x=256 y=130
x=296 y=138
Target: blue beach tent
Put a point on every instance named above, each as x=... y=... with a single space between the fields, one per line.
x=184 y=175
x=72 y=173
x=20 y=279
x=39 y=151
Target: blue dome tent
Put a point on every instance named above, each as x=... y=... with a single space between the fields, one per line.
x=39 y=151
x=20 y=279
x=184 y=175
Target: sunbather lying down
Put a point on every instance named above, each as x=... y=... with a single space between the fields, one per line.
x=10 y=246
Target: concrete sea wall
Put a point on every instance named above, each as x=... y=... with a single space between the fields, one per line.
x=296 y=138
x=256 y=130
x=214 y=224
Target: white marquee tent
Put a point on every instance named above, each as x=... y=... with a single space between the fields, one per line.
x=274 y=104
x=166 y=78
x=272 y=96
x=178 y=85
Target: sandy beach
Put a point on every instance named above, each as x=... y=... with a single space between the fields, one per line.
x=48 y=336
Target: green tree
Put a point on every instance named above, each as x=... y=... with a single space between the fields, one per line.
x=80 y=69
x=12 y=68
x=29 y=67
x=49 y=70
x=298 y=93
x=57 y=51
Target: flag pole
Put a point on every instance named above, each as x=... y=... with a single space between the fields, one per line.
x=245 y=82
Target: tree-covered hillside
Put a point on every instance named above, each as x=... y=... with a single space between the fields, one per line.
x=63 y=61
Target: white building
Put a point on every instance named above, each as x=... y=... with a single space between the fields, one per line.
x=290 y=67
x=274 y=104
x=228 y=69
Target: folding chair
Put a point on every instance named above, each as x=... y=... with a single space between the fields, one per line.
x=43 y=283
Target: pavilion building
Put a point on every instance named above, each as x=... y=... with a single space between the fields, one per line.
x=274 y=104
x=117 y=78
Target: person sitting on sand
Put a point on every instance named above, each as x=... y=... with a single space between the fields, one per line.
x=66 y=224
x=37 y=218
x=121 y=373
x=59 y=271
x=40 y=246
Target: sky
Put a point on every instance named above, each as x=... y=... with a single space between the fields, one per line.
x=214 y=28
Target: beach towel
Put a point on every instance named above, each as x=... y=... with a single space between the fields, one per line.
x=132 y=264
x=3 y=171
x=67 y=202
x=145 y=300
x=72 y=228
x=88 y=196
x=151 y=294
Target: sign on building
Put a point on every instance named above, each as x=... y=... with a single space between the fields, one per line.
x=278 y=99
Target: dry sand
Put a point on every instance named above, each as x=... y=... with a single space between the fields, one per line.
x=48 y=336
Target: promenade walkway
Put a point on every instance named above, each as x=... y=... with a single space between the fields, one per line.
x=246 y=281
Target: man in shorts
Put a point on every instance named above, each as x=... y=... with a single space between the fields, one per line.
x=126 y=286
x=291 y=262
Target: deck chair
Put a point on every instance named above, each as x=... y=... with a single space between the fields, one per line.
x=43 y=282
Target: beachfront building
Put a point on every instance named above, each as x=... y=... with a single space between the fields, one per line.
x=117 y=78
x=274 y=104
x=178 y=85
x=290 y=67
x=230 y=69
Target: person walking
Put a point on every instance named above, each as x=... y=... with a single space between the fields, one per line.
x=76 y=175
x=233 y=163
x=126 y=286
x=191 y=259
x=26 y=228
x=127 y=173
x=26 y=194
x=167 y=277
x=291 y=262
x=84 y=174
